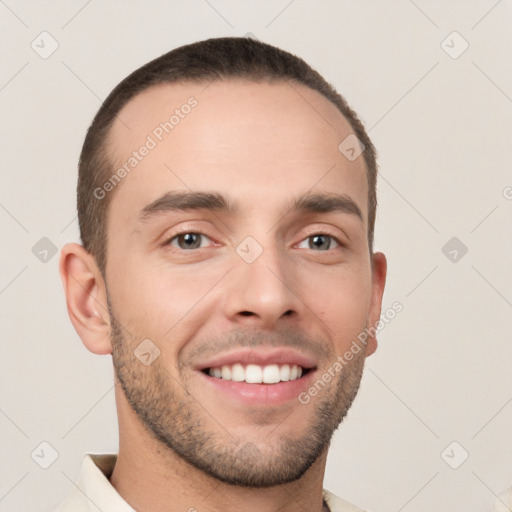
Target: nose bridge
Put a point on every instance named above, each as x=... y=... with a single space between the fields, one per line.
x=261 y=281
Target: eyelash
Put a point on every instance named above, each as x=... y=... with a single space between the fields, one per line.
x=177 y=235
x=316 y=233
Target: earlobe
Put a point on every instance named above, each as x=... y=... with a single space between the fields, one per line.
x=86 y=298
x=379 y=271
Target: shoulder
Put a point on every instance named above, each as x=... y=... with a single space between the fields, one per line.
x=503 y=502
x=336 y=504
x=93 y=488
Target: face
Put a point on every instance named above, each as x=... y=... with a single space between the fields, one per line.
x=237 y=249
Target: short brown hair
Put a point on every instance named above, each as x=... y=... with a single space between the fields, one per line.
x=203 y=61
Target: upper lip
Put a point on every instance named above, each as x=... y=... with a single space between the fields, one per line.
x=262 y=357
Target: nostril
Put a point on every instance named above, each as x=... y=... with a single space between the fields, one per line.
x=246 y=313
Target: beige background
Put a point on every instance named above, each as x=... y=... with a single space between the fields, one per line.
x=442 y=126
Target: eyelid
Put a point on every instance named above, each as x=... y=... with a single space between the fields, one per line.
x=335 y=233
x=199 y=226
x=336 y=240
x=168 y=239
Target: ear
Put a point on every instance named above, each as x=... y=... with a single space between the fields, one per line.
x=86 y=298
x=379 y=270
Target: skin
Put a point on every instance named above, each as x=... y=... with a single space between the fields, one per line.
x=261 y=146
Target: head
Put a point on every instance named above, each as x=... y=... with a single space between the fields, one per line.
x=221 y=223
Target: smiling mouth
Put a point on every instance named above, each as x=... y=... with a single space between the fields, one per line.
x=256 y=374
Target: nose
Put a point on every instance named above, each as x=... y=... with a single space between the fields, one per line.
x=263 y=292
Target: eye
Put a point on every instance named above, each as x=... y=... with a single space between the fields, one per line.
x=320 y=242
x=187 y=241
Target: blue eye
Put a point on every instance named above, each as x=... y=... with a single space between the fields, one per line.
x=188 y=241
x=320 y=242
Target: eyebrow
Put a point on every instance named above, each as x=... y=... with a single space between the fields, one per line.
x=172 y=201
x=311 y=203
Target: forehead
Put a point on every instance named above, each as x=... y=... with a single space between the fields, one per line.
x=247 y=138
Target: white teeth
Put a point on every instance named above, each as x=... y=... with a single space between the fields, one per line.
x=255 y=374
x=237 y=372
x=285 y=372
x=271 y=374
x=226 y=372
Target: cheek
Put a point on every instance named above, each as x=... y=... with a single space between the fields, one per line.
x=341 y=300
x=162 y=303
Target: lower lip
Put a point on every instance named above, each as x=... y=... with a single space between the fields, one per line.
x=261 y=394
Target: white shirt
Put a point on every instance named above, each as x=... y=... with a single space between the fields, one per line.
x=94 y=492
x=503 y=502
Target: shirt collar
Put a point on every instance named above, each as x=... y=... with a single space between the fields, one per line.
x=94 y=484
x=93 y=481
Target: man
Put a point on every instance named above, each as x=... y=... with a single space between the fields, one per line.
x=226 y=201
